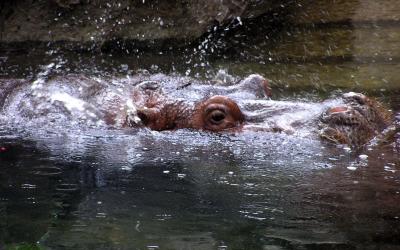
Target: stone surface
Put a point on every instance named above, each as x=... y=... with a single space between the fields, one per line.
x=86 y=21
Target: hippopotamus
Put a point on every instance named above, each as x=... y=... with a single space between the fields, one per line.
x=353 y=119
x=160 y=102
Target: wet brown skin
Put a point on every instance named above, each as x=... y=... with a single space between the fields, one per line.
x=217 y=113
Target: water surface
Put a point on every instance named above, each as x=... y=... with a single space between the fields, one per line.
x=66 y=186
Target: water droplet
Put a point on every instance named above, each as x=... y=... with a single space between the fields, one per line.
x=46 y=171
x=101 y=215
x=181 y=176
x=126 y=168
x=28 y=186
x=67 y=187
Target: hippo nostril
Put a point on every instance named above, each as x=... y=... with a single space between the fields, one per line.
x=146 y=115
x=217 y=117
x=143 y=117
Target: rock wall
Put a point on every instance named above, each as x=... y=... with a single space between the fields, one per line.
x=150 y=22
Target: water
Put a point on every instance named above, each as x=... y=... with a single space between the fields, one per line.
x=184 y=189
x=65 y=185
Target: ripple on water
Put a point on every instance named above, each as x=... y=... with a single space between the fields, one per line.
x=46 y=171
x=67 y=187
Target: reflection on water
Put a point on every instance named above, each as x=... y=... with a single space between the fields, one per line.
x=95 y=188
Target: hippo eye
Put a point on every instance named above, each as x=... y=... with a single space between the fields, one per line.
x=217 y=117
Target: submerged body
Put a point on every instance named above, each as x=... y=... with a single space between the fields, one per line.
x=161 y=102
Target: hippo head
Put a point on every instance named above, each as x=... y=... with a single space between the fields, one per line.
x=158 y=110
x=217 y=113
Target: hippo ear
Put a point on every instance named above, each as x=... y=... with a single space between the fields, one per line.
x=257 y=84
x=267 y=88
